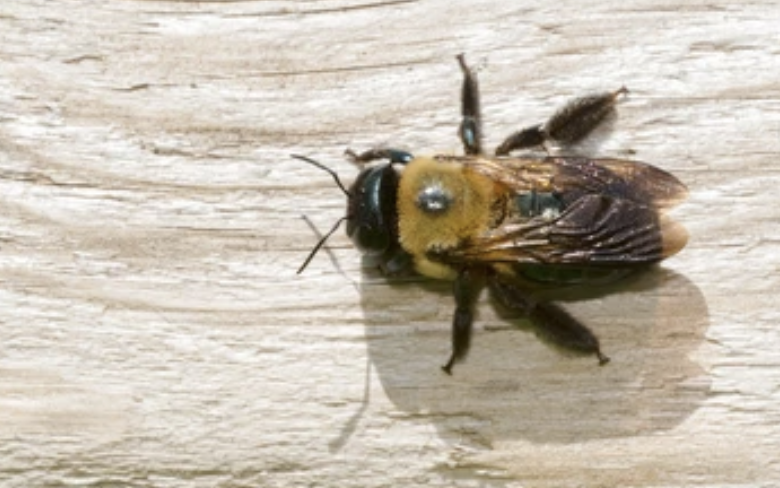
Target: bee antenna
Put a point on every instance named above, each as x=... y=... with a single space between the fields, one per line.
x=328 y=170
x=319 y=244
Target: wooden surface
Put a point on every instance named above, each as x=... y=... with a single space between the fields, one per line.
x=153 y=330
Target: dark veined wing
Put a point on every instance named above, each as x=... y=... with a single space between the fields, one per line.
x=612 y=214
x=575 y=177
x=595 y=230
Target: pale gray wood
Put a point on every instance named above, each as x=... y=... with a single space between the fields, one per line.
x=154 y=332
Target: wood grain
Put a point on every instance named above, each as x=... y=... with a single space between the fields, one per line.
x=154 y=332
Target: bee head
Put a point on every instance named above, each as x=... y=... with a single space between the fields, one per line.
x=371 y=209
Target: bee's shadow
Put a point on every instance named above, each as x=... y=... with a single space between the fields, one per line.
x=514 y=387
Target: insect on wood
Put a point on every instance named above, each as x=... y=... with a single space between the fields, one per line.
x=514 y=225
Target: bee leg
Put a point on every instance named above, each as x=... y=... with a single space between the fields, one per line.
x=466 y=289
x=523 y=139
x=395 y=156
x=397 y=262
x=550 y=321
x=581 y=116
x=470 y=130
x=570 y=124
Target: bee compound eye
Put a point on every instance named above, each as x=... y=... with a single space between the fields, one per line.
x=434 y=199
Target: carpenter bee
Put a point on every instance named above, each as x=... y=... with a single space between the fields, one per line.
x=516 y=225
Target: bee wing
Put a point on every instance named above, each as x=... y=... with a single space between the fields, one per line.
x=620 y=178
x=573 y=178
x=595 y=230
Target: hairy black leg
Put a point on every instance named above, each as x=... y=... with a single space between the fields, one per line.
x=466 y=289
x=471 y=126
x=550 y=321
x=523 y=139
x=570 y=124
x=579 y=117
x=395 y=156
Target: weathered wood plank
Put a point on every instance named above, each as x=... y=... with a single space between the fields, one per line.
x=154 y=332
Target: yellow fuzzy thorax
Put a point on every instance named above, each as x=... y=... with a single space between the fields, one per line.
x=467 y=215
